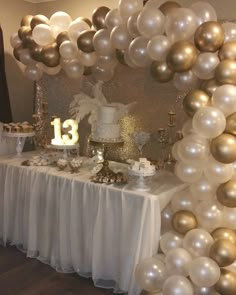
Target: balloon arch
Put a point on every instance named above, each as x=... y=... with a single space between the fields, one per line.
x=197 y=52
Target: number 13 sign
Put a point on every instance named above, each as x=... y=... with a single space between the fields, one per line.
x=65 y=139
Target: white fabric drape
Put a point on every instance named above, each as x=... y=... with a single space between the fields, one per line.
x=78 y=226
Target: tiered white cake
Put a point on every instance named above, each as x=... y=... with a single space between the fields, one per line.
x=106 y=127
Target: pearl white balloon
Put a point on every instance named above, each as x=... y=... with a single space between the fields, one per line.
x=204 y=12
x=106 y=61
x=188 y=172
x=76 y=27
x=113 y=19
x=74 y=69
x=203 y=189
x=132 y=25
x=187 y=128
x=209 y=122
x=42 y=35
x=59 y=22
x=151 y=22
x=25 y=57
x=176 y=285
x=150 y=274
x=204 y=272
x=158 y=47
x=205 y=65
x=129 y=7
x=204 y=291
x=183 y=200
x=229 y=218
x=87 y=59
x=230 y=31
x=129 y=61
x=102 y=42
x=166 y=218
x=170 y=240
x=224 y=98
x=180 y=24
x=138 y=52
x=197 y=242
x=217 y=172
x=177 y=262
x=209 y=214
x=15 y=40
x=101 y=74
x=185 y=81
x=68 y=50
x=32 y=72
x=120 y=37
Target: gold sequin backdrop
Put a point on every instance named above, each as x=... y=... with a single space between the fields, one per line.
x=154 y=101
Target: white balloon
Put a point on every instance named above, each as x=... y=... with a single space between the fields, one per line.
x=59 y=22
x=188 y=172
x=15 y=40
x=204 y=291
x=120 y=38
x=32 y=72
x=76 y=27
x=158 y=47
x=187 y=128
x=197 y=242
x=25 y=57
x=204 y=272
x=183 y=200
x=87 y=59
x=166 y=218
x=102 y=42
x=68 y=50
x=113 y=19
x=101 y=74
x=170 y=240
x=150 y=22
x=176 y=285
x=230 y=31
x=106 y=61
x=185 y=81
x=132 y=25
x=138 y=52
x=209 y=122
x=204 y=12
x=74 y=69
x=217 y=172
x=203 y=189
x=42 y=35
x=129 y=7
x=229 y=218
x=224 y=98
x=180 y=24
x=177 y=262
x=205 y=65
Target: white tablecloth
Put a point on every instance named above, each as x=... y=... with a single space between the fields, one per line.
x=78 y=226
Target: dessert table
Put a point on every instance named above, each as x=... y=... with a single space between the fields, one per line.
x=75 y=225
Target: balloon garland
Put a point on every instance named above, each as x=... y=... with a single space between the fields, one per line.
x=197 y=52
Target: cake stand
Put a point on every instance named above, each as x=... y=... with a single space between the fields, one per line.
x=20 y=139
x=142 y=180
x=105 y=174
x=65 y=148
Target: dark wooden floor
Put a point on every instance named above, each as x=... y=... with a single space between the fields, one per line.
x=25 y=276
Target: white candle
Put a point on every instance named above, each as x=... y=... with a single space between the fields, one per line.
x=57 y=140
x=73 y=139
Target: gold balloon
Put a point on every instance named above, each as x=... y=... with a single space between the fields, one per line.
x=161 y=72
x=63 y=36
x=195 y=100
x=120 y=55
x=182 y=56
x=225 y=72
x=22 y=31
x=98 y=17
x=38 y=19
x=223 y=148
x=50 y=55
x=231 y=124
x=226 y=193
x=228 y=51
x=86 y=20
x=169 y=7
x=209 y=36
x=27 y=38
x=35 y=51
x=17 y=50
x=223 y=252
x=183 y=221
x=226 y=285
x=85 y=41
x=209 y=86
x=224 y=233
x=26 y=20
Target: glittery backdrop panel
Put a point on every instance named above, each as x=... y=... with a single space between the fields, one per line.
x=153 y=102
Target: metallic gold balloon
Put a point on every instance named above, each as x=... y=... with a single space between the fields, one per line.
x=195 y=100
x=183 y=221
x=161 y=72
x=17 y=50
x=35 y=51
x=231 y=124
x=98 y=17
x=209 y=86
x=226 y=285
x=182 y=56
x=86 y=20
x=225 y=72
x=223 y=252
x=23 y=30
x=209 y=36
x=224 y=233
x=223 y=148
x=169 y=6
x=38 y=19
x=228 y=51
x=26 y=20
x=50 y=55
x=27 y=37
x=226 y=193
x=120 y=55
x=63 y=36
x=85 y=41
